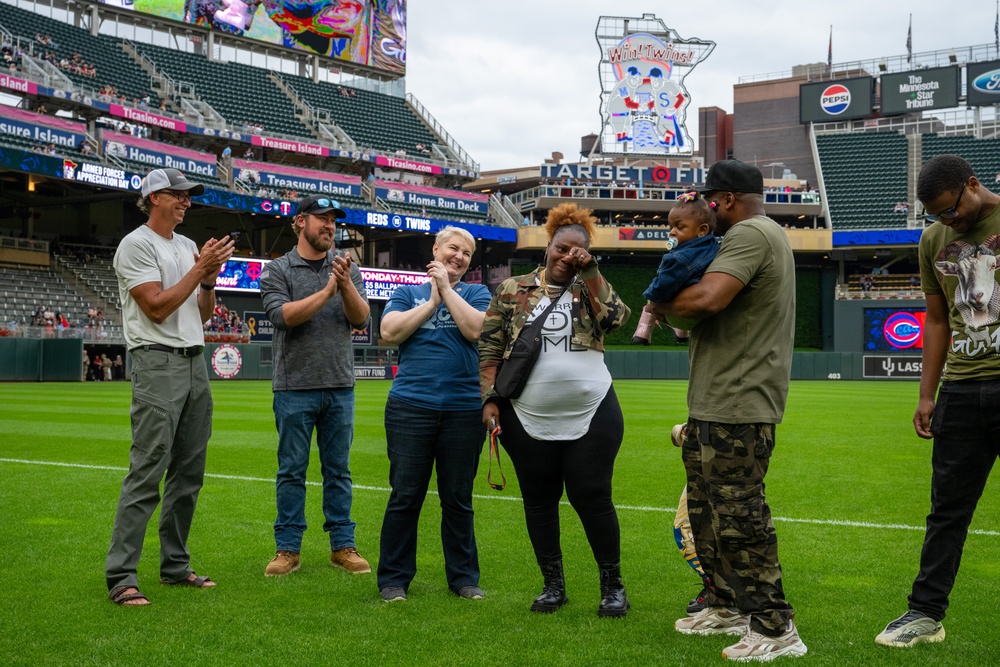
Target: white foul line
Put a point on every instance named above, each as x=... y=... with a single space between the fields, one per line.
x=637 y=508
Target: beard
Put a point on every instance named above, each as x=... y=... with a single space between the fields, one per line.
x=318 y=241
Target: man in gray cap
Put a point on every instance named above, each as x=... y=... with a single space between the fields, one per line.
x=313 y=297
x=742 y=316
x=166 y=291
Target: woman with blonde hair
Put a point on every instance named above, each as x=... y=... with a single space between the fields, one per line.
x=432 y=417
x=565 y=427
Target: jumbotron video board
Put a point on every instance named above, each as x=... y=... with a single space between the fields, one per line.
x=365 y=32
x=894 y=329
x=920 y=90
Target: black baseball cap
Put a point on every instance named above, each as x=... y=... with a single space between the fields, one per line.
x=733 y=176
x=316 y=204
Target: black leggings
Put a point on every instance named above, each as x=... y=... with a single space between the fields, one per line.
x=584 y=465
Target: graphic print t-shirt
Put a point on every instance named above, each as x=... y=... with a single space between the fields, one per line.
x=963 y=268
x=567 y=383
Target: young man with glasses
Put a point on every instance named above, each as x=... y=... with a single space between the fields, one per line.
x=961 y=347
x=166 y=289
x=314 y=297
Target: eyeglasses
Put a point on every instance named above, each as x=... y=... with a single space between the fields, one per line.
x=947 y=214
x=179 y=196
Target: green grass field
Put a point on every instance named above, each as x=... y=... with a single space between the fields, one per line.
x=848 y=486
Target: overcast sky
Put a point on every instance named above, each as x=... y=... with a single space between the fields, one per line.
x=513 y=81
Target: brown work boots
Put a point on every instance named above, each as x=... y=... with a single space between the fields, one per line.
x=348 y=558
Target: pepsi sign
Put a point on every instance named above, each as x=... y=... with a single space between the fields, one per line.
x=983 y=83
x=835 y=99
x=832 y=101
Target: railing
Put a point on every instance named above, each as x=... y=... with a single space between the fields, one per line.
x=644 y=193
x=887 y=64
x=24 y=244
x=441 y=132
x=89 y=334
x=978 y=122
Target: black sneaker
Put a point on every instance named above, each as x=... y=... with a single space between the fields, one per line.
x=697 y=604
x=393 y=593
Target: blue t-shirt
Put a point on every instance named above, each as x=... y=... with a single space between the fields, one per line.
x=438 y=367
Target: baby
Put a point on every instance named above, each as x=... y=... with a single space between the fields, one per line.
x=691 y=249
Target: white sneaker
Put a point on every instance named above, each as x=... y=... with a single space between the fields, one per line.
x=911 y=628
x=713 y=621
x=761 y=648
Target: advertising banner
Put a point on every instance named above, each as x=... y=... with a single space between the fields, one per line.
x=642 y=234
x=407 y=165
x=419 y=195
x=296 y=178
x=147 y=118
x=240 y=275
x=894 y=329
x=832 y=101
x=156 y=154
x=260 y=327
x=17 y=85
x=366 y=32
x=982 y=83
x=920 y=90
x=290 y=145
x=585 y=173
x=644 y=100
x=381 y=283
x=41 y=127
x=889 y=367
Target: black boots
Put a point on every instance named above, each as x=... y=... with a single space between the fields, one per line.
x=554 y=589
x=614 y=603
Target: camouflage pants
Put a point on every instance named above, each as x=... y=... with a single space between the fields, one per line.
x=731 y=521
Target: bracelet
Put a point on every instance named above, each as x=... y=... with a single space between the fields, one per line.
x=207 y=287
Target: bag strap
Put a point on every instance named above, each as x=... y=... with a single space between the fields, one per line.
x=545 y=313
x=495 y=449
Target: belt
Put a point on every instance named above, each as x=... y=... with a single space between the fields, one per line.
x=193 y=351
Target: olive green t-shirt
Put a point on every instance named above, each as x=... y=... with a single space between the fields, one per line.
x=962 y=267
x=741 y=357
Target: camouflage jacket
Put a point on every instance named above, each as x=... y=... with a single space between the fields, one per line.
x=602 y=311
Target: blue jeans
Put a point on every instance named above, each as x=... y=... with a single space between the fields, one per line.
x=966 y=428
x=297 y=413
x=416 y=439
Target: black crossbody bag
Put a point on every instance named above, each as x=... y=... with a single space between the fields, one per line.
x=513 y=372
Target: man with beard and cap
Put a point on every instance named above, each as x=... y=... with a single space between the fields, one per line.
x=742 y=320
x=959 y=379
x=313 y=297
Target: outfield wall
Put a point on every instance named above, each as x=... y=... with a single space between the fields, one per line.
x=31 y=360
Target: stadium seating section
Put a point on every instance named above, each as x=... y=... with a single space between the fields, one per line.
x=112 y=65
x=982 y=154
x=23 y=291
x=862 y=191
x=240 y=93
x=373 y=120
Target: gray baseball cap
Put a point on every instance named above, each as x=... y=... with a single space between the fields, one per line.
x=169 y=179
